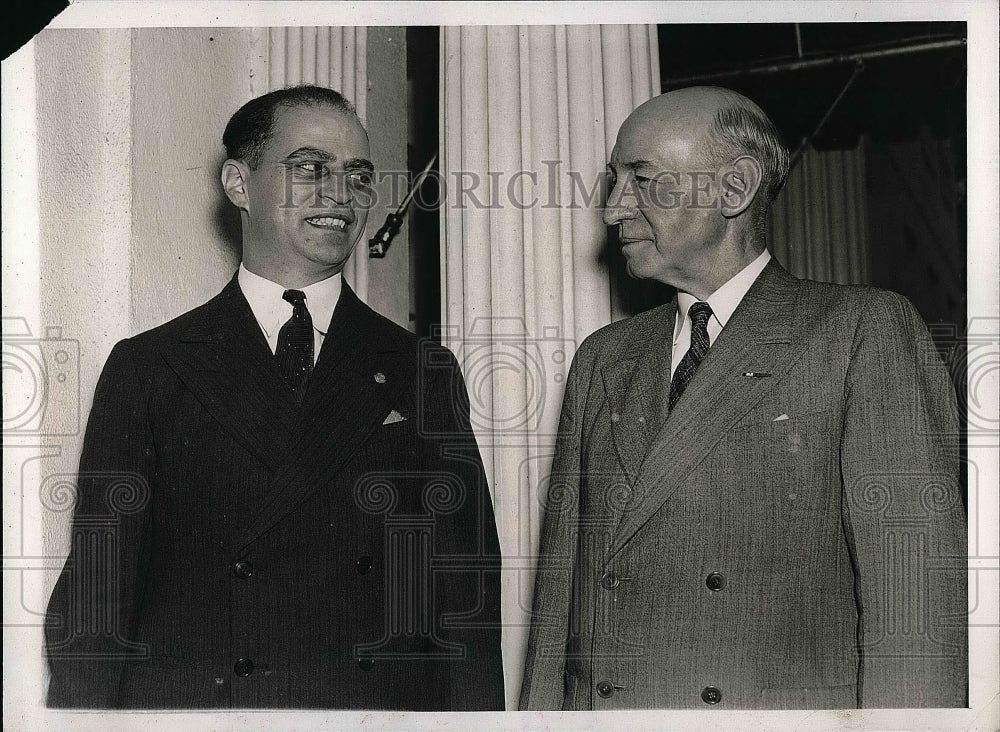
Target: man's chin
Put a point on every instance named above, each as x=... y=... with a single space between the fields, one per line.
x=337 y=252
x=634 y=269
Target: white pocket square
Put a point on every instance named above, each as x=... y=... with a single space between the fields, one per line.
x=780 y=418
x=395 y=416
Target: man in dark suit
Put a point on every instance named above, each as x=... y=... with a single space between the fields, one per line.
x=754 y=501
x=280 y=500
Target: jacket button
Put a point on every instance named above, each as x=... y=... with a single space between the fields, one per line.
x=605 y=689
x=610 y=581
x=711 y=695
x=365 y=663
x=243 y=569
x=715 y=581
x=243 y=667
x=363 y=565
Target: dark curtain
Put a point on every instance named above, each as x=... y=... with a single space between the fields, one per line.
x=817 y=226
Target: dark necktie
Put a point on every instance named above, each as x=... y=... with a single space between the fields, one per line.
x=294 y=353
x=700 y=313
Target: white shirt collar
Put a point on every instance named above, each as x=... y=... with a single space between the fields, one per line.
x=727 y=298
x=271 y=310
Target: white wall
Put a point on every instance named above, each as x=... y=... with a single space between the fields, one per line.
x=186 y=83
x=134 y=227
x=111 y=151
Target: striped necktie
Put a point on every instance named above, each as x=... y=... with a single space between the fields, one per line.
x=700 y=313
x=294 y=353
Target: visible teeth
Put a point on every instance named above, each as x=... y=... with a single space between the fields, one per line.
x=328 y=221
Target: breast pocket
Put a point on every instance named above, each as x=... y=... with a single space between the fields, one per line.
x=790 y=456
x=398 y=431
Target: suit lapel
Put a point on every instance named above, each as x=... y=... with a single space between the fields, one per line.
x=361 y=371
x=636 y=386
x=223 y=358
x=758 y=338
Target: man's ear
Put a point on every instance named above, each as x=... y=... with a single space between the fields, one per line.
x=740 y=185
x=234 y=182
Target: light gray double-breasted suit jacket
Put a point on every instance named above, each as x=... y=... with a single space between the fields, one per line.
x=791 y=535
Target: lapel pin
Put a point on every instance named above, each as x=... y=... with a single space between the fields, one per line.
x=379 y=378
x=756 y=374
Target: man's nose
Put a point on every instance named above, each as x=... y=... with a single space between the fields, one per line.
x=620 y=205
x=336 y=189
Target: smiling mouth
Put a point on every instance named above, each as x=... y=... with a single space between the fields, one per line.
x=328 y=222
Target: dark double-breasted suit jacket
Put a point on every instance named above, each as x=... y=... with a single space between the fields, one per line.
x=791 y=535
x=233 y=549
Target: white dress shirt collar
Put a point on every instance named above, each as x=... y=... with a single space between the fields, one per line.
x=723 y=301
x=272 y=311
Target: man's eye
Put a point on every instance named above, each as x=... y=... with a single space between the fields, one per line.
x=360 y=178
x=310 y=168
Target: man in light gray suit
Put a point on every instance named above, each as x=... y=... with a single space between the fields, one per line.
x=754 y=501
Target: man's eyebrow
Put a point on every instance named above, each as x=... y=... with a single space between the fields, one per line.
x=636 y=164
x=363 y=163
x=315 y=153
x=310 y=152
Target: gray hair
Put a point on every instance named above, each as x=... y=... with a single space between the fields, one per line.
x=743 y=129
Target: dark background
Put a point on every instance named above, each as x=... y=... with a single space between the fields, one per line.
x=908 y=108
x=904 y=104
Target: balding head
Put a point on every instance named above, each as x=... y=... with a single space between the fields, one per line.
x=720 y=125
x=696 y=170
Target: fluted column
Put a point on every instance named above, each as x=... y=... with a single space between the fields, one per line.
x=529 y=116
x=334 y=57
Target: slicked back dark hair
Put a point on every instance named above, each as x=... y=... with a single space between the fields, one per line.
x=249 y=129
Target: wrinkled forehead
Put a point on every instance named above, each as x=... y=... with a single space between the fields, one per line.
x=662 y=140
